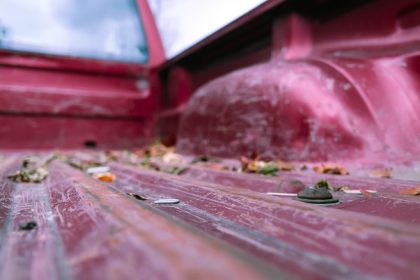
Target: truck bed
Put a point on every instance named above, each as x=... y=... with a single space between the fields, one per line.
x=330 y=88
x=225 y=225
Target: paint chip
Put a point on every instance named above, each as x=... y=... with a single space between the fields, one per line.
x=98 y=169
x=167 y=201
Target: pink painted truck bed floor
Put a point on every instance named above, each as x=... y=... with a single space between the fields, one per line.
x=224 y=227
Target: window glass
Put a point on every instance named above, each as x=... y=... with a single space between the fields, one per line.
x=182 y=23
x=101 y=29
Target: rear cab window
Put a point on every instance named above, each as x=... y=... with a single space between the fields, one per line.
x=98 y=29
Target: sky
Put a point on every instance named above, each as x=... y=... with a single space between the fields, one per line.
x=185 y=22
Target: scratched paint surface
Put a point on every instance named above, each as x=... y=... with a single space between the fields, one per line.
x=326 y=92
x=88 y=230
x=224 y=227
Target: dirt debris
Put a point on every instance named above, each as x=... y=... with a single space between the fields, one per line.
x=34 y=170
x=411 y=191
x=381 y=173
x=331 y=168
x=258 y=166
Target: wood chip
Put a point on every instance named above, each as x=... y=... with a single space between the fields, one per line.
x=105 y=177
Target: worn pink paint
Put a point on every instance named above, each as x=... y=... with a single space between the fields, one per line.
x=344 y=89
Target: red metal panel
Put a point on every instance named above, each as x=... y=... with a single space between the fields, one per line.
x=45 y=132
x=329 y=92
x=62 y=101
x=86 y=230
x=397 y=207
x=54 y=93
x=90 y=229
x=327 y=242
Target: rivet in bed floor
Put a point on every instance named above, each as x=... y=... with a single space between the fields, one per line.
x=316 y=196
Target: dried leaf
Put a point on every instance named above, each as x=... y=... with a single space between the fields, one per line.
x=172 y=158
x=30 y=162
x=268 y=169
x=215 y=166
x=331 y=169
x=51 y=158
x=244 y=161
x=82 y=164
x=155 y=150
x=105 y=177
x=323 y=184
x=147 y=163
x=411 y=191
x=176 y=170
x=258 y=166
x=285 y=166
x=251 y=166
x=111 y=155
x=76 y=164
x=381 y=173
x=27 y=175
x=160 y=150
x=33 y=171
